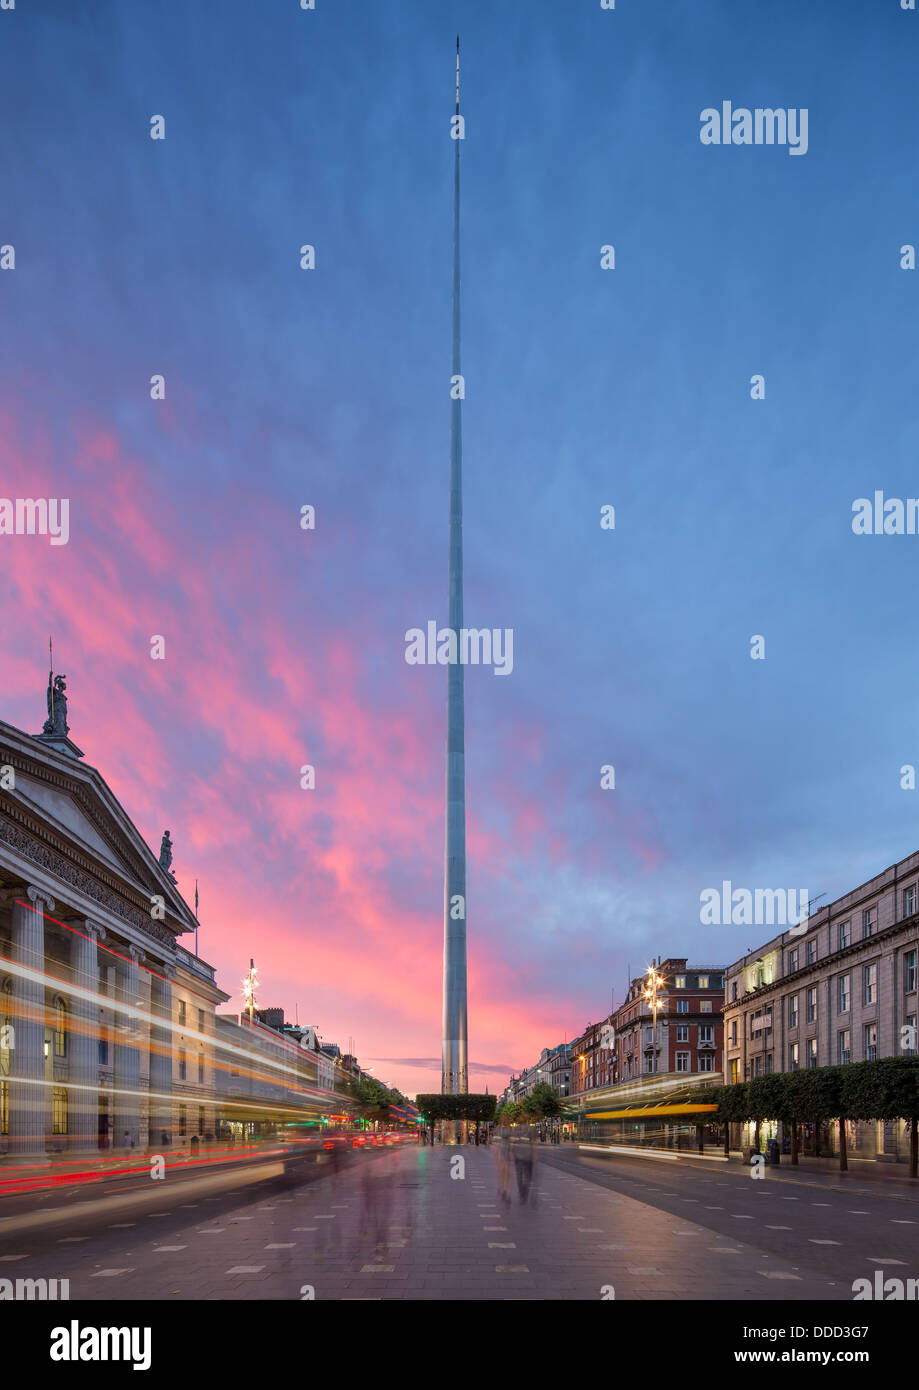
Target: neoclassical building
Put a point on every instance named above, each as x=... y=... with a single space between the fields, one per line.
x=107 y=1024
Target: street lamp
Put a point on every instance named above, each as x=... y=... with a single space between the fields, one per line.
x=250 y=984
x=654 y=983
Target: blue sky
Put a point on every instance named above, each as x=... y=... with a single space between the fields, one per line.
x=584 y=387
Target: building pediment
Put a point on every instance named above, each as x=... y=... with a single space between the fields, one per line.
x=62 y=814
x=61 y=809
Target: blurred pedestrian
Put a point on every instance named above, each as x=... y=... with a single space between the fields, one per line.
x=504 y=1168
x=524 y=1158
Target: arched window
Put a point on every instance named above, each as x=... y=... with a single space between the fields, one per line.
x=59 y=1122
x=60 y=1028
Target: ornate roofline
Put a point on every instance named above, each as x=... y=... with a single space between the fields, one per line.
x=143 y=874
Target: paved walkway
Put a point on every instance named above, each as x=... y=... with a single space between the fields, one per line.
x=398 y=1225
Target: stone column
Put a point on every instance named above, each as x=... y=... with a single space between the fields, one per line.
x=127 y=1054
x=83 y=1040
x=160 y=1056
x=30 y=1098
x=146 y=983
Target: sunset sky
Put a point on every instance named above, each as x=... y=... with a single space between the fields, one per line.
x=583 y=388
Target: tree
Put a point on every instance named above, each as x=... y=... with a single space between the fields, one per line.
x=472 y=1106
x=766 y=1101
x=373 y=1099
x=885 y=1089
x=796 y=1108
x=703 y=1096
x=543 y=1102
x=733 y=1108
x=821 y=1097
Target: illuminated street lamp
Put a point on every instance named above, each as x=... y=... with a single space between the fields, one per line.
x=654 y=983
x=250 y=984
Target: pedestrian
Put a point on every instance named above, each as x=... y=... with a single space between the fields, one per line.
x=524 y=1157
x=504 y=1168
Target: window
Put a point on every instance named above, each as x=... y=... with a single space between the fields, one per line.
x=682 y=1061
x=182 y=1012
x=792 y=961
x=735 y=1071
x=793 y=1057
x=733 y=1032
x=201 y=1069
x=870 y=983
x=183 y=1120
x=844 y=991
x=682 y=1006
x=705 y=1006
x=844 y=932
x=682 y=1033
x=768 y=1063
x=760 y=978
x=909 y=901
x=103 y=1051
x=869 y=917
x=909 y=971
x=844 y=1051
x=60 y=1034
x=810 y=950
x=200 y=1119
x=679 y=982
x=757 y=1066
x=733 y=990
x=706 y=1032
x=706 y=1061
x=4 y=1107
x=760 y=1022
x=792 y=1011
x=703 y=982
x=58 y=1110
x=183 y=1069
x=200 y=1020
x=812 y=1052
x=871 y=1041
x=812 y=1004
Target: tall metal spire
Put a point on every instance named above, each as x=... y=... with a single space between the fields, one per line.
x=455 y=1079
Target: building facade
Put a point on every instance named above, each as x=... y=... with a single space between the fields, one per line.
x=840 y=988
x=593 y=1059
x=106 y=1022
x=686 y=1037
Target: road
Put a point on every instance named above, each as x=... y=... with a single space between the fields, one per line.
x=413 y=1223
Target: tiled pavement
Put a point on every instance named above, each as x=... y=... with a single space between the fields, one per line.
x=400 y=1226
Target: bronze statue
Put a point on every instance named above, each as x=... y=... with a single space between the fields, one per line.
x=56 y=723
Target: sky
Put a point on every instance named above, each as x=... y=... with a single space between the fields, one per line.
x=585 y=388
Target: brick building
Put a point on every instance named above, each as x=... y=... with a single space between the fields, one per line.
x=689 y=1034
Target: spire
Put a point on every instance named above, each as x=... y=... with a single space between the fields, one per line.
x=455 y=1079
